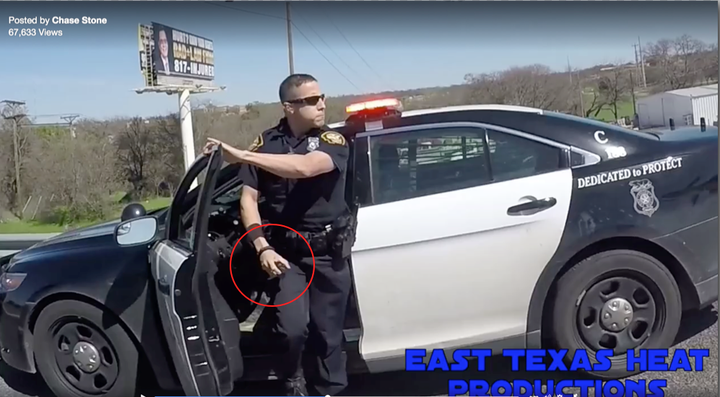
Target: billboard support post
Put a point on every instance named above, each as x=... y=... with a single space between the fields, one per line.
x=186 y=129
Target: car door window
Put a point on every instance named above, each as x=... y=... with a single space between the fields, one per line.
x=514 y=157
x=429 y=161
x=223 y=202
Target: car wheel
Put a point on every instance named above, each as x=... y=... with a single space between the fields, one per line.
x=617 y=300
x=81 y=351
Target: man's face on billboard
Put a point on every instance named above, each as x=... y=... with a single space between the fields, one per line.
x=163 y=42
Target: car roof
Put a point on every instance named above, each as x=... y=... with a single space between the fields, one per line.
x=565 y=129
x=460 y=108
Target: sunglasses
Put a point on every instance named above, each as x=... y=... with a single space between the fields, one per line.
x=310 y=100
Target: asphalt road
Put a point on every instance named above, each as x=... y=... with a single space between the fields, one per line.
x=699 y=331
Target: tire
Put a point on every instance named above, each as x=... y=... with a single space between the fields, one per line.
x=656 y=300
x=117 y=354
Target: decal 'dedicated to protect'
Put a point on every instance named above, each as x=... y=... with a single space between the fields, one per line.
x=637 y=171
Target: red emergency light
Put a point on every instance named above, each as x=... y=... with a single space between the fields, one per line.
x=389 y=103
x=373 y=115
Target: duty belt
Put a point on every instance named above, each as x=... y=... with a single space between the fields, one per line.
x=288 y=240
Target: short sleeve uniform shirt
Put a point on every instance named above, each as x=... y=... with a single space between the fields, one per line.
x=307 y=204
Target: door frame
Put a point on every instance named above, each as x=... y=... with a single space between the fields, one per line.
x=185 y=302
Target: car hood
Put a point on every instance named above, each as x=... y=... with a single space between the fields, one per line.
x=107 y=228
x=72 y=239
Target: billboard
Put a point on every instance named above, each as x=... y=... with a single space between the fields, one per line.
x=169 y=56
x=182 y=58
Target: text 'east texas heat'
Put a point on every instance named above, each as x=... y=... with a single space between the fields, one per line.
x=48 y=32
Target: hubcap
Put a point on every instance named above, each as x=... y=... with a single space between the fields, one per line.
x=85 y=356
x=618 y=313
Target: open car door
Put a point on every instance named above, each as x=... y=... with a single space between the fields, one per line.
x=201 y=330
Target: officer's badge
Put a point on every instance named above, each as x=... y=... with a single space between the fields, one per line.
x=256 y=144
x=313 y=143
x=643 y=192
x=333 y=138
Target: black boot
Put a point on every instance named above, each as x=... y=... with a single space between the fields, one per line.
x=295 y=387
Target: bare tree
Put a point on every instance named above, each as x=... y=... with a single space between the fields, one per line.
x=135 y=148
x=533 y=86
x=614 y=88
x=677 y=62
x=168 y=165
x=16 y=114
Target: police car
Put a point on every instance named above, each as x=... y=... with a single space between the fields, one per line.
x=481 y=226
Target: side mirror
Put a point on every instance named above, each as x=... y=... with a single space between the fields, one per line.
x=136 y=231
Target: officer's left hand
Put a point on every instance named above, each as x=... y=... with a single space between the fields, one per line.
x=232 y=155
x=211 y=144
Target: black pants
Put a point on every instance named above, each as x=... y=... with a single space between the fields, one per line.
x=317 y=317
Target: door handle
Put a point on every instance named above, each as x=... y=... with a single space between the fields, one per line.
x=532 y=207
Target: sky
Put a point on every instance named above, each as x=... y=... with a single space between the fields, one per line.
x=351 y=47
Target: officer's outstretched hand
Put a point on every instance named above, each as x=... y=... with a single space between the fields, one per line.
x=232 y=155
x=273 y=264
x=210 y=145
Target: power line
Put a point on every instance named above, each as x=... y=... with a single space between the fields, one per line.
x=296 y=27
x=323 y=55
x=328 y=46
x=358 y=53
x=245 y=11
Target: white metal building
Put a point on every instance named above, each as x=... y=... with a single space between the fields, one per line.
x=685 y=106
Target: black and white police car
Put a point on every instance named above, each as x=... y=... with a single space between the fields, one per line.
x=478 y=226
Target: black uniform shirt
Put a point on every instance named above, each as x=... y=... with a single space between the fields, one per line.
x=307 y=204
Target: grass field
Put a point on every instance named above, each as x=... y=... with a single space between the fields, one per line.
x=625 y=109
x=37 y=227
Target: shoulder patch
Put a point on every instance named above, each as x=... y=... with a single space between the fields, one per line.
x=256 y=144
x=333 y=138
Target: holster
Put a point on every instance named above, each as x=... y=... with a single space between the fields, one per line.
x=342 y=236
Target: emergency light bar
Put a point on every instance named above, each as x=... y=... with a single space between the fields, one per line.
x=373 y=115
x=391 y=103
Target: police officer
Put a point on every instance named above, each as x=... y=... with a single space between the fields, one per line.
x=299 y=167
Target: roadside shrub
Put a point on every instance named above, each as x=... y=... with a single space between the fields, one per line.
x=85 y=212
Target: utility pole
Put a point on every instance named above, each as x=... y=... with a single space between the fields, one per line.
x=642 y=63
x=632 y=91
x=637 y=60
x=70 y=119
x=15 y=113
x=291 y=62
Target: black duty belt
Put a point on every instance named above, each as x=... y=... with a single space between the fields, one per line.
x=287 y=240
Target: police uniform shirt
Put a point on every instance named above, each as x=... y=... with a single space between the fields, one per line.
x=307 y=204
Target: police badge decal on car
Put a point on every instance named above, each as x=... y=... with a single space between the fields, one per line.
x=643 y=192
